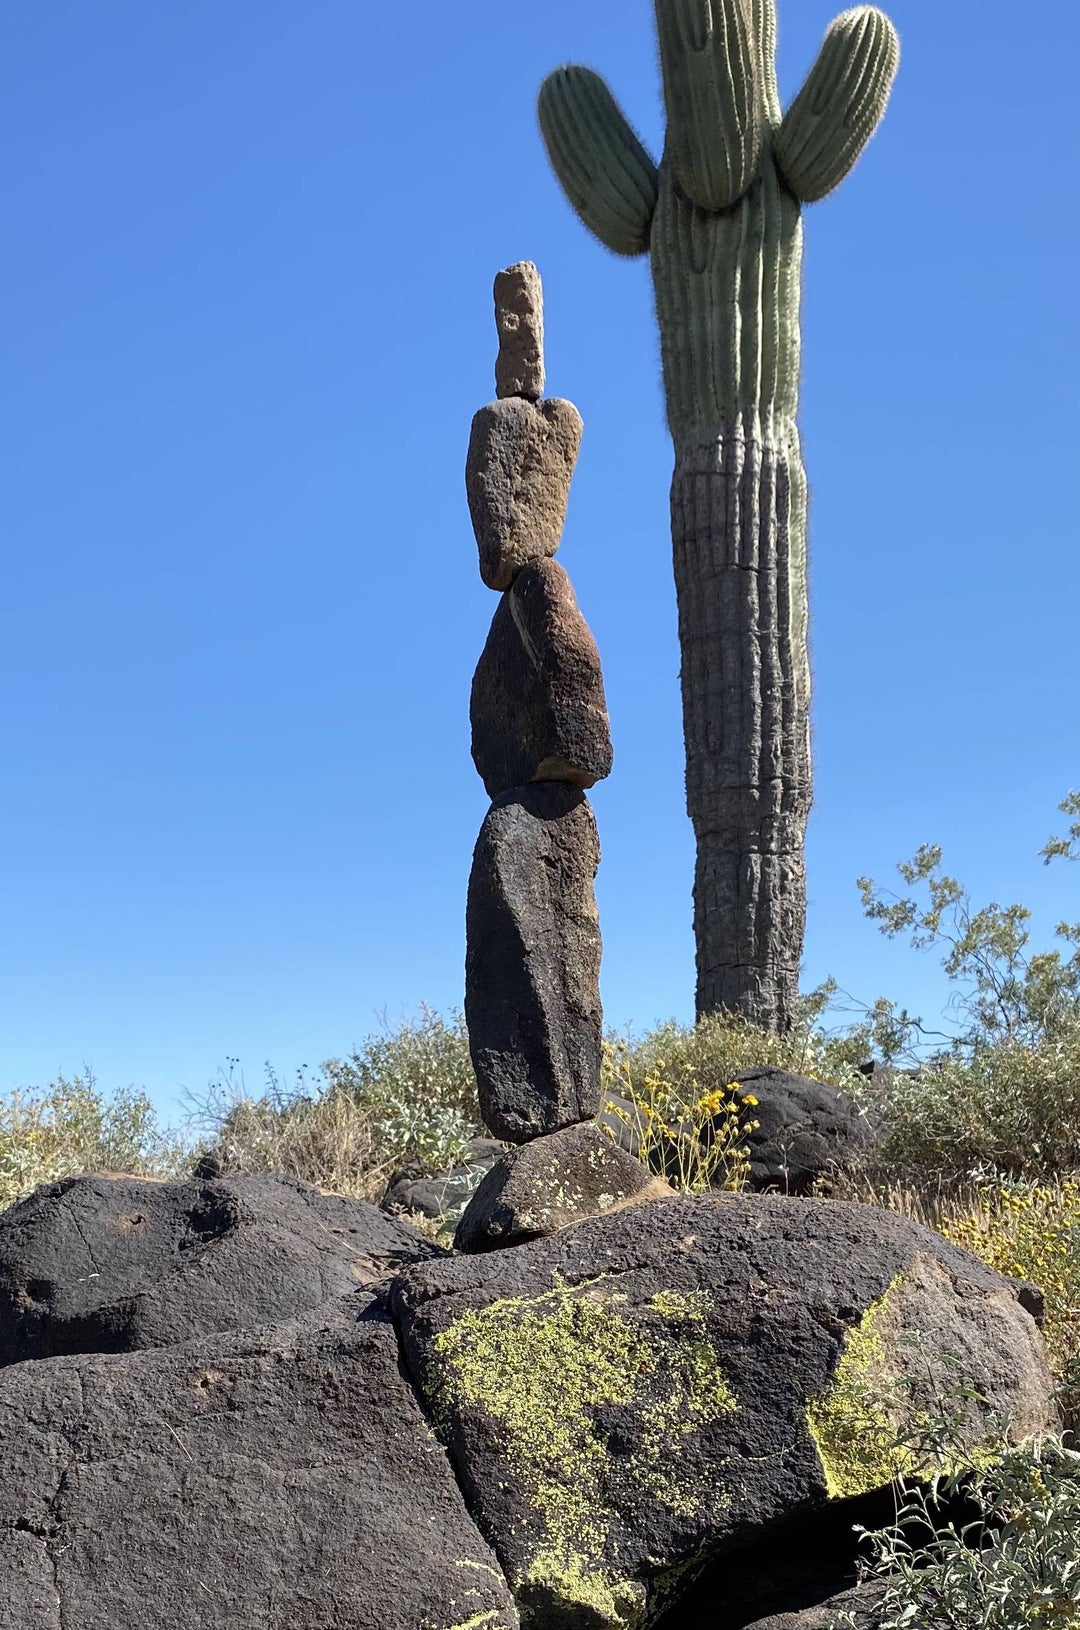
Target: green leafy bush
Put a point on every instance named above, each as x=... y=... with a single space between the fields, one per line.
x=1008 y=1107
x=72 y=1127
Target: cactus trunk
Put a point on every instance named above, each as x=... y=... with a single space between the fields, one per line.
x=738 y=551
x=727 y=295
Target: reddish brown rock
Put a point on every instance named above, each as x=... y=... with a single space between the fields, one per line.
x=538 y=708
x=532 y=967
x=517 y=478
x=519 y=317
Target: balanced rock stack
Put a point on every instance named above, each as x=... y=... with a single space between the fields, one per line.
x=540 y=736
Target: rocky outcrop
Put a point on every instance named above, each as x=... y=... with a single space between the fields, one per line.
x=668 y=1415
x=648 y=1391
x=550 y=1183
x=283 y=1477
x=532 y=971
x=110 y=1265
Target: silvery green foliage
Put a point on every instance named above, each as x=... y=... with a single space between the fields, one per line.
x=1016 y=1565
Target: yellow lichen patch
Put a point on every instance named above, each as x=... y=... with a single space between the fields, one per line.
x=474 y=1624
x=543 y=1368
x=851 y=1423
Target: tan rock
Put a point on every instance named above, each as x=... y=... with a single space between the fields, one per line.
x=554 y=1181
x=517 y=477
x=519 y=318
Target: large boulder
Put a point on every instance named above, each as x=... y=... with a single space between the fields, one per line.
x=532 y=964
x=650 y=1390
x=283 y=1478
x=554 y=1181
x=537 y=706
x=807 y=1131
x=112 y=1264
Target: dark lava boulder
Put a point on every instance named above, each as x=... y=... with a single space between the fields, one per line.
x=640 y=1394
x=282 y=1478
x=807 y=1131
x=112 y=1264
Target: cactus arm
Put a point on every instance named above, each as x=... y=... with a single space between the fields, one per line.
x=714 y=97
x=841 y=104
x=604 y=170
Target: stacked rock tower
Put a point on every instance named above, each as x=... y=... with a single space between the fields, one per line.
x=540 y=736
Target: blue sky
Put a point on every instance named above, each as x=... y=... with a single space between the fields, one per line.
x=246 y=322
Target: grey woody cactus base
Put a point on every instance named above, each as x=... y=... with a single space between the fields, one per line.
x=720 y=217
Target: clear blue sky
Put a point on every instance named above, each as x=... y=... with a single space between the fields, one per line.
x=246 y=321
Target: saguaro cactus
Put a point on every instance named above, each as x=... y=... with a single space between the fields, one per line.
x=720 y=217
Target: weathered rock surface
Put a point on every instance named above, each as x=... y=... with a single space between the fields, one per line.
x=532 y=966
x=652 y=1389
x=807 y=1131
x=519 y=318
x=860 y=1607
x=108 y=1265
x=442 y=1196
x=538 y=708
x=552 y=1182
x=517 y=479
x=283 y=1478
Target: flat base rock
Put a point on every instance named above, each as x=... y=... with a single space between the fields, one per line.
x=283 y=1478
x=113 y=1264
x=807 y=1131
x=552 y=1182
x=517 y=478
x=640 y=1395
x=538 y=708
x=532 y=964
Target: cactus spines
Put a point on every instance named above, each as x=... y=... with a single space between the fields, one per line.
x=722 y=220
x=602 y=166
x=841 y=104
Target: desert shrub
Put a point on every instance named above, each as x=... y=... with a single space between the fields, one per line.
x=1030 y=1231
x=72 y=1127
x=421 y=1069
x=1008 y=1106
x=405 y=1099
x=1011 y=1563
x=721 y=1045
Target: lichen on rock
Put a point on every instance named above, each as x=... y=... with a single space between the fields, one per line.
x=850 y=1423
x=542 y=1368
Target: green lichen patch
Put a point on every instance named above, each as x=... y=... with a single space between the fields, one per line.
x=851 y=1423
x=544 y=1369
